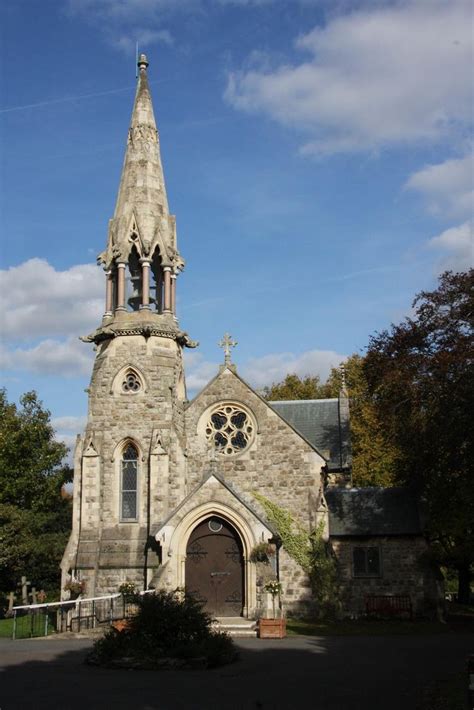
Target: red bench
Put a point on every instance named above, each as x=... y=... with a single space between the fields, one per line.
x=389 y=605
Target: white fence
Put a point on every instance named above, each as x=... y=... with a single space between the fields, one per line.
x=73 y=615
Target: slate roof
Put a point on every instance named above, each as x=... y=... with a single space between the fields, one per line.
x=372 y=511
x=319 y=421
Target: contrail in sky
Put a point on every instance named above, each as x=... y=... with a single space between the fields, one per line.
x=69 y=98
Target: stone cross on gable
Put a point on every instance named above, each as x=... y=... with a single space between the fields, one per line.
x=226 y=344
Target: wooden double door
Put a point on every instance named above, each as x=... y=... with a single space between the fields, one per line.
x=215 y=567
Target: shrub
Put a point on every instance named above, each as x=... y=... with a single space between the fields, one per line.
x=167 y=625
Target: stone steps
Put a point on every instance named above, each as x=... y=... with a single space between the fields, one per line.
x=237 y=627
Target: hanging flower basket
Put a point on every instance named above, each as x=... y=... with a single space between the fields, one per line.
x=75 y=587
x=262 y=552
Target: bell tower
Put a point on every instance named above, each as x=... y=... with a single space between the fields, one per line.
x=129 y=466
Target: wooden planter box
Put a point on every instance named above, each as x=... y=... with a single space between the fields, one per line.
x=272 y=628
x=120 y=624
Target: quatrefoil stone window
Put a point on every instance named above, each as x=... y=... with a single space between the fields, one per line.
x=230 y=429
x=131 y=383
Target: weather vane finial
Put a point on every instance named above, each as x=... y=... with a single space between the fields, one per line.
x=226 y=344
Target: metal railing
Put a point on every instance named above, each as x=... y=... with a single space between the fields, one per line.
x=74 y=615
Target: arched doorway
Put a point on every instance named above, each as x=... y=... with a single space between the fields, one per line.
x=215 y=567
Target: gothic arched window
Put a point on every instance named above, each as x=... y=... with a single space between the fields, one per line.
x=129 y=483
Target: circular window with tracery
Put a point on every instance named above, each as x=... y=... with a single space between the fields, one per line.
x=230 y=429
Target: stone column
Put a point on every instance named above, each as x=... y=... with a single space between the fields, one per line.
x=121 y=287
x=167 y=289
x=145 y=284
x=109 y=293
x=173 y=294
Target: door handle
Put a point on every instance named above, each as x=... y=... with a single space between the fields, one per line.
x=220 y=574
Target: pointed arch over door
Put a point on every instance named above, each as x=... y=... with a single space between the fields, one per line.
x=214 y=571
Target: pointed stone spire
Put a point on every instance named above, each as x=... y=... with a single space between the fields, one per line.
x=141 y=218
x=141 y=248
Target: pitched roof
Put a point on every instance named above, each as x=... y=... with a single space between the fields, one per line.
x=321 y=423
x=372 y=511
x=229 y=487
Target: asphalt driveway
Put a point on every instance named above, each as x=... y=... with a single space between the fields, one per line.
x=330 y=673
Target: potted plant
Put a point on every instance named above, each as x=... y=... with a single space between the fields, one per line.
x=274 y=627
x=129 y=591
x=75 y=587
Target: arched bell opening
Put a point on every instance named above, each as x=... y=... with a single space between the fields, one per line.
x=157 y=280
x=214 y=567
x=134 y=281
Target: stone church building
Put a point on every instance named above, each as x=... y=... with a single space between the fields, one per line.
x=164 y=488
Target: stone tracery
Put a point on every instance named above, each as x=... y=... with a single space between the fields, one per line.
x=230 y=429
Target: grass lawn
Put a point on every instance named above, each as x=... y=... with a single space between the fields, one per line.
x=24 y=627
x=364 y=627
x=458 y=618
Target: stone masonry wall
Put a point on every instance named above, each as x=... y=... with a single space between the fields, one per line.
x=108 y=550
x=403 y=571
x=279 y=464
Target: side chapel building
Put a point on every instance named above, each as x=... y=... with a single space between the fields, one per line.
x=164 y=487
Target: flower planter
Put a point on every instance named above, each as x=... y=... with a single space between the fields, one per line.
x=272 y=628
x=120 y=624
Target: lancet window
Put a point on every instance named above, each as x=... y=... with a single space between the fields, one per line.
x=129 y=483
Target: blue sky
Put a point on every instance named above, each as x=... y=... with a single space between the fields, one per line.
x=317 y=156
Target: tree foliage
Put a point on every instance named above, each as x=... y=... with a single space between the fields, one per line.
x=372 y=454
x=34 y=513
x=420 y=374
x=294 y=387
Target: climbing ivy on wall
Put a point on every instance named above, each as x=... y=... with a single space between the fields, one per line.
x=311 y=551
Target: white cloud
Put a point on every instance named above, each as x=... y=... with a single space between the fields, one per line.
x=125 y=22
x=144 y=39
x=377 y=77
x=198 y=371
x=458 y=245
x=125 y=10
x=71 y=423
x=266 y=370
x=69 y=358
x=39 y=301
x=447 y=187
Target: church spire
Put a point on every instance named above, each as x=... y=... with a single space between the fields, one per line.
x=142 y=233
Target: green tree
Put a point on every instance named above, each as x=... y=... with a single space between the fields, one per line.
x=372 y=453
x=294 y=387
x=35 y=514
x=420 y=374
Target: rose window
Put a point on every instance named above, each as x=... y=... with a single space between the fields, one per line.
x=230 y=429
x=131 y=383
